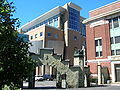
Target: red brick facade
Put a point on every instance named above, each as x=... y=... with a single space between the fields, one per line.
x=96 y=32
x=97 y=28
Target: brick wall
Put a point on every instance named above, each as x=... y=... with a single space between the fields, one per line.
x=93 y=67
x=96 y=32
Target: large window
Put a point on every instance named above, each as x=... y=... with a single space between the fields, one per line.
x=53 y=21
x=115 y=40
x=114 y=23
x=74 y=19
x=98 y=44
x=115 y=52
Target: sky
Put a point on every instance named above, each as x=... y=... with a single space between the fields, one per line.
x=27 y=10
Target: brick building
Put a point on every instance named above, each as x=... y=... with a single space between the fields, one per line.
x=103 y=40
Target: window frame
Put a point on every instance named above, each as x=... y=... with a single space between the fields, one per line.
x=49 y=34
x=98 y=44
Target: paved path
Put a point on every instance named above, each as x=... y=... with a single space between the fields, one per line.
x=50 y=85
x=88 y=88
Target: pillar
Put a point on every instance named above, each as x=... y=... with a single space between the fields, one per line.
x=99 y=75
x=51 y=70
x=85 y=81
x=43 y=69
x=37 y=71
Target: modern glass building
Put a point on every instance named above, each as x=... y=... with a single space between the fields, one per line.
x=59 y=28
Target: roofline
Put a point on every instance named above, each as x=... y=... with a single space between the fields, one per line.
x=102 y=15
x=104 y=6
x=58 y=7
x=74 y=6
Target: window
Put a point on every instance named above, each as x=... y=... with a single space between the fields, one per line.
x=111 y=40
x=46 y=22
x=110 y=24
x=56 y=21
x=74 y=19
x=112 y=52
x=115 y=22
x=41 y=33
x=118 y=52
x=49 y=34
x=35 y=35
x=75 y=37
x=117 y=39
x=97 y=54
x=31 y=37
x=100 y=53
x=56 y=36
x=50 y=21
x=98 y=44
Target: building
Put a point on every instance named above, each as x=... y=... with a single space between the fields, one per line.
x=59 y=28
x=103 y=40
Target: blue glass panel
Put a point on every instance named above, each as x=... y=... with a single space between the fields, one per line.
x=74 y=21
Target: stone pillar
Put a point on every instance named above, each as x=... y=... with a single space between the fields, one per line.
x=99 y=75
x=85 y=81
x=42 y=70
x=36 y=71
x=51 y=70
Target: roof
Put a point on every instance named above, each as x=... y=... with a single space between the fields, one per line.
x=104 y=14
x=43 y=17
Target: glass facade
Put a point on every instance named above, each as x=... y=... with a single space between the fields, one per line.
x=53 y=21
x=74 y=19
x=114 y=24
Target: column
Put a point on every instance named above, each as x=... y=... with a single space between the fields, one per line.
x=51 y=70
x=42 y=70
x=99 y=74
x=36 y=71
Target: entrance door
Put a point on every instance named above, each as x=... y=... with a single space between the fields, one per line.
x=117 y=72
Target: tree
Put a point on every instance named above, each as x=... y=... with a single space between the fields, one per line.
x=15 y=64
